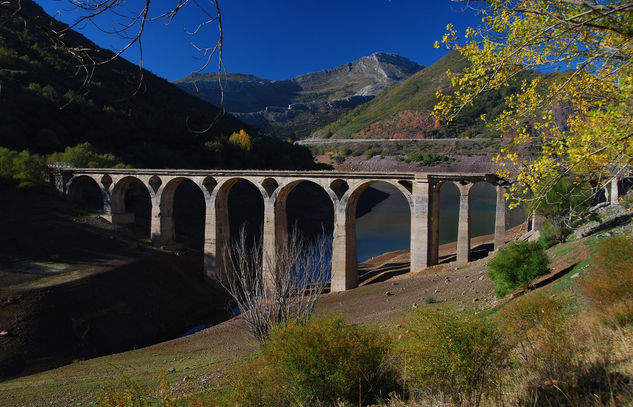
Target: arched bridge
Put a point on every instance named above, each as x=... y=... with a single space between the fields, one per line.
x=344 y=189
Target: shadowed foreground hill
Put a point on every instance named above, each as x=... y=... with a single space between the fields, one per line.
x=73 y=286
x=44 y=108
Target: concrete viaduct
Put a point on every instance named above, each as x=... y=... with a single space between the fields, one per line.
x=344 y=189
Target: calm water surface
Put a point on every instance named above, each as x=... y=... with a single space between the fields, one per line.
x=387 y=226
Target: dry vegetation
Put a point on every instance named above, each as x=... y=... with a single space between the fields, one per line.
x=562 y=343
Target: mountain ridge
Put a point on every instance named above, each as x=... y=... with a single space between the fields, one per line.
x=321 y=96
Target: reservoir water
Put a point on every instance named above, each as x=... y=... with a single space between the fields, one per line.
x=387 y=226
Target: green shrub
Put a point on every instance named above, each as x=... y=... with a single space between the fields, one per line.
x=323 y=361
x=414 y=156
x=84 y=156
x=453 y=358
x=372 y=152
x=563 y=203
x=26 y=169
x=426 y=159
x=517 y=265
x=610 y=284
x=548 y=235
x=6 y=162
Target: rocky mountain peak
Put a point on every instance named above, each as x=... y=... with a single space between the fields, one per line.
x=399 y=66
x=378 y=68
x=326 y=93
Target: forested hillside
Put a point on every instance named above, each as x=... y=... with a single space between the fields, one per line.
x=403 y=110
x=44 y=108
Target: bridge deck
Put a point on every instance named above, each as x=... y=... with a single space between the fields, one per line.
x=448 y=176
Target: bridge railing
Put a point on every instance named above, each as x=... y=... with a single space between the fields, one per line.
x=61 y=164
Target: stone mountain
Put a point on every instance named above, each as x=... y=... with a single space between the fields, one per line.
x=295 y=107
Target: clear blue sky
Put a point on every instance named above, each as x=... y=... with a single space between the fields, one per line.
x=281 y=39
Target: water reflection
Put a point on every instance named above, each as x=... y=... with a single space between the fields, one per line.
x=387 y=226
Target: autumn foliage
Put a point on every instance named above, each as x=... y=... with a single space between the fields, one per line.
x=578 y=114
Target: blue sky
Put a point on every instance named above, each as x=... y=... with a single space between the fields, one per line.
x=281 y=39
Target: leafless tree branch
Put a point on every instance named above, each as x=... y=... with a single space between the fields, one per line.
x=128 y=22
x=269 y=291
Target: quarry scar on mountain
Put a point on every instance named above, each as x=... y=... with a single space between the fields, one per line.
x=344 y=189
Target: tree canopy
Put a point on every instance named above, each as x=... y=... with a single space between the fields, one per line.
x=581 y=117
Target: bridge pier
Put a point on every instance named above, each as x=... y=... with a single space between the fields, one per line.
x=155 y=223
x=421 y=224
x=434 y=238
x=500 y=218
x=274 y=222
x=463 y=228
x=219 y=232
x=210 y=260
x=344 y=254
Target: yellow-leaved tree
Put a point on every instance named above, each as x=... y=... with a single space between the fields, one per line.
x=581 y=119
x=242 y=141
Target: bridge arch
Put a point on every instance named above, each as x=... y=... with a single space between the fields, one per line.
x=87 y=191
x=383 y=224
x=444 y=210
x=132 y=203
x=228 y=205
x=120 y=189
x=223 y=187
x=345 y=246
x=282 y=192
x=181 y=199
x=314 y=210
x=167 y=191
x=350 y=198
x=483 y=210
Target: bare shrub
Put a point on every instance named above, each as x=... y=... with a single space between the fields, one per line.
x=269 y=290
